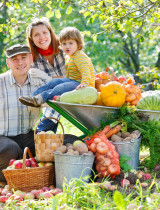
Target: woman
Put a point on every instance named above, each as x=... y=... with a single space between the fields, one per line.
x=48 y=61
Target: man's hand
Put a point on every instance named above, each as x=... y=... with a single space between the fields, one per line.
x=81 y=86
x=37 y=73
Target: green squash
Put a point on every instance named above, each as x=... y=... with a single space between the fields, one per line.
x=88 y=95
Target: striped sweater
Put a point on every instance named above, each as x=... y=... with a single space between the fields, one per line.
x=80 y=68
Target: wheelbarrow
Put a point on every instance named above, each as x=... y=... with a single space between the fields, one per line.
x=87 y=117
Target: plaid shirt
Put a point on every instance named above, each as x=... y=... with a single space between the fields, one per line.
x=57 y=70
x=16 y=118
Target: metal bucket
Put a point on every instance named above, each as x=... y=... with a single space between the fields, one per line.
x=72 y=166
x=130 y=149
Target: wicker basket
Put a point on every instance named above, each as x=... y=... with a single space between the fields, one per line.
x=27 y=179
x=46 y=144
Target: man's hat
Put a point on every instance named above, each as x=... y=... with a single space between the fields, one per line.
x=17 y=49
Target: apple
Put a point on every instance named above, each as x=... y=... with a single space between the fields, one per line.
x=56 y=98
x=37 y=193
x=57 y=191
x=4 y=192
x=1 y=189
x=125 y=183
x=29 y=195
x=17 y=161
x=11 y=162
x=47 y=194
x=104 y=75
x=50 y=132
x=3 y=199
x=9 y=194
x=121 y=79
x=28 y=163
x=41 y=164
x=18 y=198
x=33 y=160
x=10 y=167
x=77 y=142
x=46 y=189
x=19 y=192
x=51 y=186
x=18 y=165
x=33 y=165
x=48 y=164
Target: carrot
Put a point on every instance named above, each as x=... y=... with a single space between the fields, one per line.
x=114 y=130
x=105 y=130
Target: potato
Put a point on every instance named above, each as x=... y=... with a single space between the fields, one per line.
x=134 y=136
x=76 y=153
x=70 y=147
x=119 y=134
x=68 y=144
x=62 y=149
x=125 y=134
x=90 y=152
x=137 y=132
x=81 y=148
x=116 y=138
x=71 y=151
x=127 y=138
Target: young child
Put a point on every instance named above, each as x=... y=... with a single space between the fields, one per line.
x=79 y=70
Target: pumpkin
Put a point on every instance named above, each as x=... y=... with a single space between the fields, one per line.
x=99 y=100
x=113 y=94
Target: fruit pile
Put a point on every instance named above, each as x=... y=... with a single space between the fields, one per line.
x=9 y=195
x=115 y=91
x=77 y=148
x=30 y=163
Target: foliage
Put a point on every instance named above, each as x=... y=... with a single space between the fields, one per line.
x=123 y=163
x=150 y=131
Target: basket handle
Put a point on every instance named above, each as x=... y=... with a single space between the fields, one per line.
x=26 y=150
x=49 y=118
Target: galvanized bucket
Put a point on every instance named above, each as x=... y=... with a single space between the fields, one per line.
x=130 y=149
x=72 y=166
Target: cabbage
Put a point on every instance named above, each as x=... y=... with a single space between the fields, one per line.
x=150 y=100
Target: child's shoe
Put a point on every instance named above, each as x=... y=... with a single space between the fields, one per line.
x=34 y=101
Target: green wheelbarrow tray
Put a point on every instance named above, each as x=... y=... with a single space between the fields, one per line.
x=84 y=117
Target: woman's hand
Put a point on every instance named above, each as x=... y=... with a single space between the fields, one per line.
x=81 y=86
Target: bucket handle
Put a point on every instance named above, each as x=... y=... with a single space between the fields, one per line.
x=49 y=118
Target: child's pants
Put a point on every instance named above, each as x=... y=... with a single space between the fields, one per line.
x=56 y=86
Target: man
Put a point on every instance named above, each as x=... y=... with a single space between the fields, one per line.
x=16 y=119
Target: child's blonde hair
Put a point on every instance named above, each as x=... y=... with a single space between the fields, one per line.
x=72 y=33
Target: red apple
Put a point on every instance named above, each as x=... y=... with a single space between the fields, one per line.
x=47 y=194
x=125 y=183
x=56 y=98
x=18 y=165
x=33 y=160
x=3 y=199
x=37 y=193
x=46 y=189
x=121 y=79
x=28 y=163
x=11 y=162
x=33 y=165
x=57 y=191
x=9 y=194
x=18 y=198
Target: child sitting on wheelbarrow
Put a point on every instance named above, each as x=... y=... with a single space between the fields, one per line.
x=79 y=70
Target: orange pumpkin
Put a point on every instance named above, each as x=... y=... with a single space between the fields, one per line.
x=113 y=94
x=99 y=100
